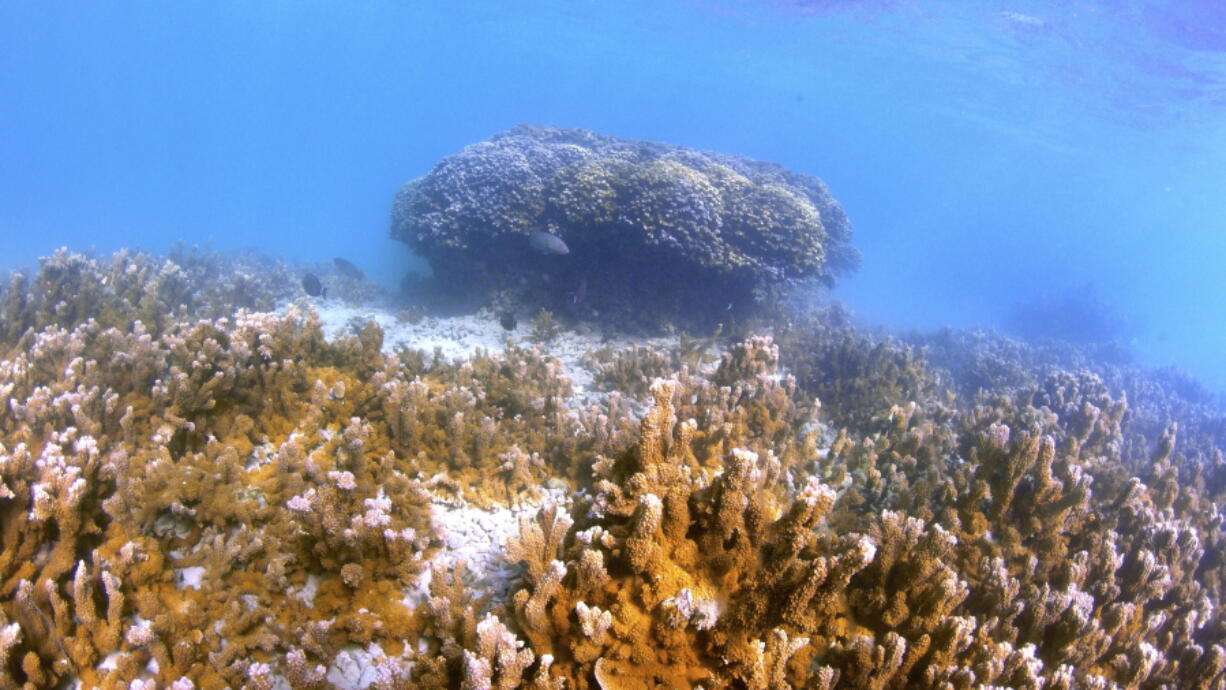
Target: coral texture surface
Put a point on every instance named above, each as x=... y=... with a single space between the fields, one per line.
x=654 y=231
x=194 y=499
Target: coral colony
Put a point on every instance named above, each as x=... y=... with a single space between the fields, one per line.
x=210 y=479
x=671 y=236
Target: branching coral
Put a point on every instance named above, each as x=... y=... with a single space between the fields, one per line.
x=242 y=474
x=70 y=289
x=238 y=500
x=857 y=376
x=632 y=370
x=194 y=453
x=1026 y=560
x=672 y=551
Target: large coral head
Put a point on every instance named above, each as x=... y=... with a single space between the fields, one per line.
x=653 y=232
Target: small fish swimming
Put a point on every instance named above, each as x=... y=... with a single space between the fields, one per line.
x=347 y=269
x=508 y=320
x=547 y=243
x=581 y=292
x=312 y=286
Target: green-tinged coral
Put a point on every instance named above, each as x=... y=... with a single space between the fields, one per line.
x=632 y=369
x=858 y=376
x=71 y=288
x=655 y=232
x=545 y=327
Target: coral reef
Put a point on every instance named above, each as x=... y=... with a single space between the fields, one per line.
x=1018 y=573
x=236 y=490
x=656 y=233
x=214 y=501
x=984 y=364
x=632 y=369
x=544 y=327
x=193 y=482
x=857 y=375
x=190 y=283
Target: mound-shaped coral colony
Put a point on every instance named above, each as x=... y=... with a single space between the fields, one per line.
x=656 y=233
x=201 y=488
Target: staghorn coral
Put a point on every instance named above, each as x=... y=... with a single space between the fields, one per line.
x=857 y=375
x=193 y=455
x=985 y=363
x=656 y=232
x=1032 y=557
x=651 y=594
x=1027 y=561
x=544 y=327
x=631 y=370
x=240 y=459
x=218 y=485
x=240 y=501
x=190 y=283
x=498 y=424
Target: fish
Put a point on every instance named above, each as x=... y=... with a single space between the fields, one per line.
x=581 y=292
x=312 y=286
x=547 y=243
x=347 y=269
x=508 y=321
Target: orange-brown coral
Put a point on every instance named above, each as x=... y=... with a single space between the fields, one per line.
x=202 y=497
x=240 y=501
x=1032 y=564
x=857 y=375
x=224 y=455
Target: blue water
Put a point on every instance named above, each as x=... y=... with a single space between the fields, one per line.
x=986 y=151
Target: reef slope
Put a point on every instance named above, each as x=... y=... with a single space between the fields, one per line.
x=202 y=496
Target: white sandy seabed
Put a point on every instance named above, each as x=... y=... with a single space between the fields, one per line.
x=460 y=337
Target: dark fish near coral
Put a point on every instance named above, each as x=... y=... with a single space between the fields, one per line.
x=508 y=321
x=312 y=286
x=347 y=269
x=580 y=293
x=547 y=243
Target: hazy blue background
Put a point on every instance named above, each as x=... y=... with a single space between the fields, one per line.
x=983 y=154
